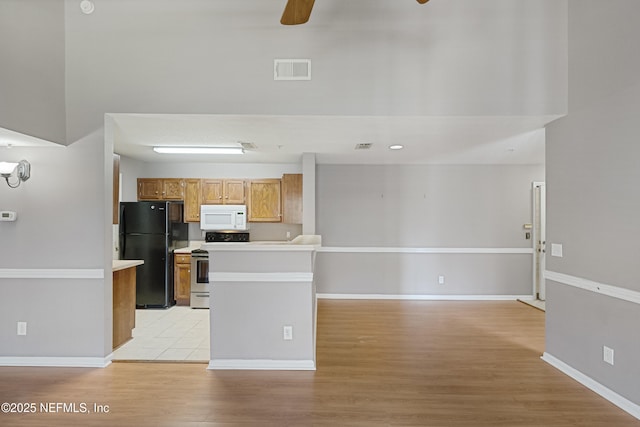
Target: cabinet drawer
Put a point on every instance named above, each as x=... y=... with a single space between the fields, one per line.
x=183 y=259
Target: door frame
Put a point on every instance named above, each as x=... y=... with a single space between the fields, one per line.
x=538 y=240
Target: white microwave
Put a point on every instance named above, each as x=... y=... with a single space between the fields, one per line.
x=223 y=217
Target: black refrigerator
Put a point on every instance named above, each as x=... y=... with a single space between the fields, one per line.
x=150 y=231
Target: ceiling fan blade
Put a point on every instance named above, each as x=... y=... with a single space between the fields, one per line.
x=422 y=1
x=296 y=12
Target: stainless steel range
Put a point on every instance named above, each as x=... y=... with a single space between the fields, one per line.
x=200 y=265
x=199 y=278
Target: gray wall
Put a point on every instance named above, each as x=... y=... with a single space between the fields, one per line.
x=63 y=225
x=593 y=197
x=32 y=75
x=425 y=206
x=195 y=56
x=385 y=207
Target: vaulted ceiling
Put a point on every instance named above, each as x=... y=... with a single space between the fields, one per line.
x=454 y=81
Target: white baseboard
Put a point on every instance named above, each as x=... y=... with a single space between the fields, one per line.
x=613 y=397
x=263 y=364
x=427 y=297
x=58 y=362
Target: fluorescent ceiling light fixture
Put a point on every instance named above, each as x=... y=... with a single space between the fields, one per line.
x=198 y=150
x=396 y=147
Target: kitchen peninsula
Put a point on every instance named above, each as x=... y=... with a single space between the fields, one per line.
x=263 y=304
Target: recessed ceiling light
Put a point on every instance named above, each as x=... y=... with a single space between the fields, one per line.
x=198 y=150
x=87 y=7
x=396 y=147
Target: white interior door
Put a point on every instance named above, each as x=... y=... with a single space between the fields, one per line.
x=539 y=239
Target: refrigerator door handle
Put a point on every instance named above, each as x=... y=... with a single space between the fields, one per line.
x=123 y=220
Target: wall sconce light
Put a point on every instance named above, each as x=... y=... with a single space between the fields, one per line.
x=22 y=171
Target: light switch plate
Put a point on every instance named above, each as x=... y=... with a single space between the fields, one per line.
x=607 y=355
x=556 y=250
x=22 y=328
x=287 y=333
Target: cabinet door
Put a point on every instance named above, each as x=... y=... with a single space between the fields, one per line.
x=212 y=192
x=172 y=189
x=234 y=192
x=263 y=201
x=292 y=198
x=192 y=197
x=182 y=282
x=149 y=189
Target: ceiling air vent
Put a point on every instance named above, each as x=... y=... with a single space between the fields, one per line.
x=248 y=145
x=364 y=146
x=292 y=69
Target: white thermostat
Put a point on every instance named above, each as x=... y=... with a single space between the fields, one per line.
x=8 y=216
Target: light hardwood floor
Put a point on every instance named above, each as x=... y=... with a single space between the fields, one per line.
x=380 y=363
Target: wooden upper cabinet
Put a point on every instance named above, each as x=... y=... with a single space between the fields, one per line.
x=292 y=198
x=233 y=192
x=192 y=200
x=173 y=189
x=212 y=192
x=160 y=189
x=149 y=189
x=223 y=192
x=263 y=200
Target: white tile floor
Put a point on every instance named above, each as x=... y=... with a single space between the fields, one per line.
x=540 y=305
x=174 y=334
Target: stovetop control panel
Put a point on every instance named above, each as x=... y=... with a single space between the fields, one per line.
x=226 y=236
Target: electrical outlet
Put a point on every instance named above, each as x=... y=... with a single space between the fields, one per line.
x=287 y=333
x=441 y=280
x=288 y=235
x=607 y=355
x=22 y=328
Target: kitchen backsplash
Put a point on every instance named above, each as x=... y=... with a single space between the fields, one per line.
x=266 y=231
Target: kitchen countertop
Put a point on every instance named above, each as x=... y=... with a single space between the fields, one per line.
x=300 y=243
x=187 y=250
x=122 y=264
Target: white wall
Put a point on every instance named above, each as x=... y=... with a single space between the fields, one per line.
x=593 y=201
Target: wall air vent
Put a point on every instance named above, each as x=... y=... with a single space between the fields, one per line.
x=364 y=146
x=248 y=145
x=292 y=69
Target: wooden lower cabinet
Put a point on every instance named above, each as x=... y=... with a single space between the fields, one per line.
x=182 y=279
x=124 y=305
